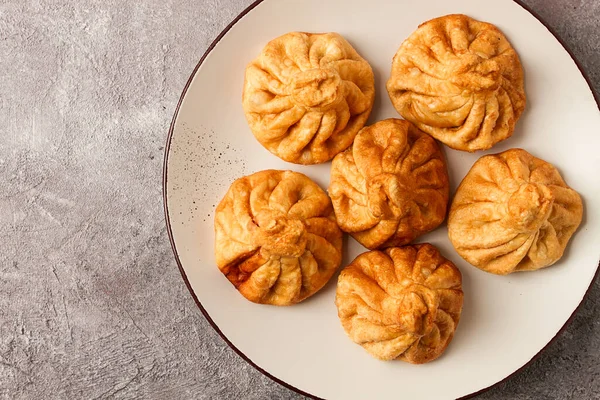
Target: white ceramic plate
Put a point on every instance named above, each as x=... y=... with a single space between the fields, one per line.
x=506 y=320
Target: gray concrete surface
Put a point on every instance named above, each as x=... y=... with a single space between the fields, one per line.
x=92 y=305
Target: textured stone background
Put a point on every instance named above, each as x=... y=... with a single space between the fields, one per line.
x=91 y=302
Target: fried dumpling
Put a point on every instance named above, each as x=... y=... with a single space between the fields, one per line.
x=459 y=80
x=390 y=186
x=402 y=303
x=307 y=95
x=513 y=212
x=276 y=238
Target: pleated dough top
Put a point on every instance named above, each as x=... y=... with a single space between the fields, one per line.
x=459 y=80
x=404 y=303
x=276 y=238
x=513 y=212
x=391 y=186
x=307 y=95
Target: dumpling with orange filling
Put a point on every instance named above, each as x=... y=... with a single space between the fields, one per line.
x=276 y=238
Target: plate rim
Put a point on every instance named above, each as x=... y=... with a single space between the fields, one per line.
x=210 y=48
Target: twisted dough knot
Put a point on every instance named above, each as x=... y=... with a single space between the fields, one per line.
x=417 y=309
x=278 y=235
x=513 y=212
x=388 y=197
x=403 y=303
x=530 y=206
x=317 y=88
x=460 y=81
x=307 y=95
x=276 y=238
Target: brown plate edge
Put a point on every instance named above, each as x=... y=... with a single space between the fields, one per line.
x=187 y=282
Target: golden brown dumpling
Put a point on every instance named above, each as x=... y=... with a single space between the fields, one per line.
x=276 y=238
x=459 y=80
x=403 y=303
x=307 y=95
x=390 y=186
x=513 y=212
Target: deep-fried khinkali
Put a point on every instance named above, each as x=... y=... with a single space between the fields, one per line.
x=459 y=80
x=307 y=95
x=513 y=212
x=276 y=238
x=390 y=186
x=403 y=303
